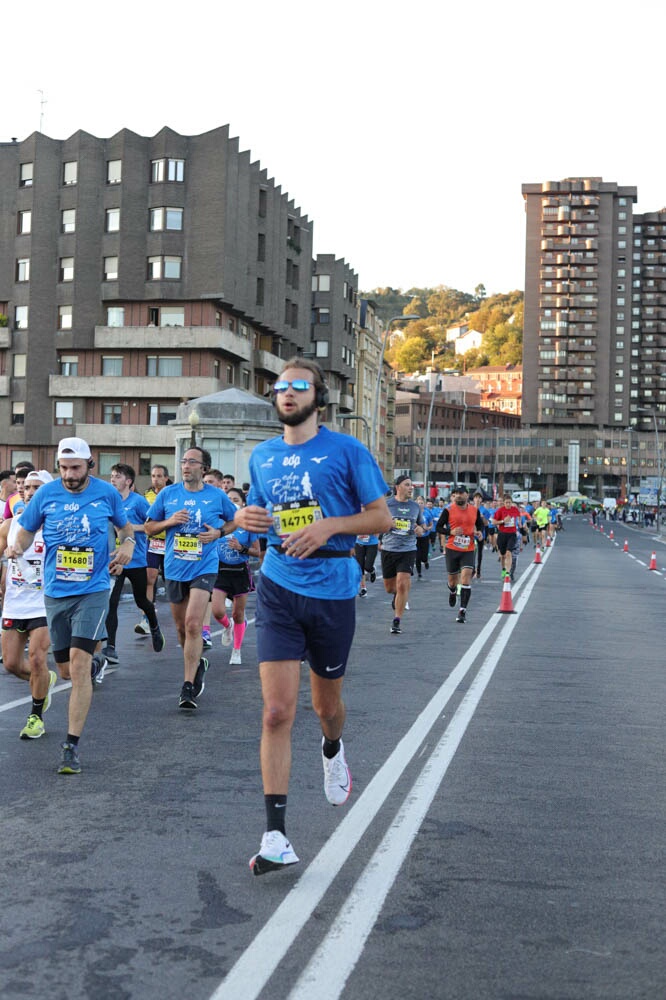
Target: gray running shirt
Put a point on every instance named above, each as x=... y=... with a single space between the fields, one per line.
x=406 y=515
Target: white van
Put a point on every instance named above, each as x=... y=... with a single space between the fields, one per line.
x=526 y=496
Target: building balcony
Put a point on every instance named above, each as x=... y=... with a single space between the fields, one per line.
x=4 y=385
x=118 y=387
x=346 y=403
x=173 y=338
x=266 y=362
x=5 y=337
x=160 y=438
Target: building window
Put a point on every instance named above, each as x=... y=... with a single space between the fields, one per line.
x=68 y=220
x=321 y=282
x=321 y=315
x=18 y=413
x=159 y=414
x=245 y=376
x=115 y=316
x=261 y=246
x=66 y=272
x=167 y=169
x=166 y=219
x=23 y=269
x=110 y=269
x=263 y=203
x=166 y=366
x=112 y=366
x=172 y=316
x=64 y=317
x=112 y=413
x=25 y=175
x=24 y=225
x=69 y=364
x=20 y=317
x=172 y=267
x=260 y=291
x=112 y=220
x=321 y=348
x=70 y=172
x=19 y=365
x=114 y=171
x=154 y=270
x=64 y=413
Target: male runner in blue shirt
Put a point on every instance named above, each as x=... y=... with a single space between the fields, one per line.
x=74 y=513
x=308 y=490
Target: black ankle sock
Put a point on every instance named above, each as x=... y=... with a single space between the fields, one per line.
x=38 y=706
x=330 y=748
x=276 y=809
x=74 y=740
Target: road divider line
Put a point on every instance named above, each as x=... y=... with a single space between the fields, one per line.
x=333 y=962
x=256 y=965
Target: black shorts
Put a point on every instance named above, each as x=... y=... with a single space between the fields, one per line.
x=23 y=624
x=234 y=581
x=506 y=541
x=365 y=556
x=155 y=560
x=455 y=561
x=178 y=591
x=397 y=562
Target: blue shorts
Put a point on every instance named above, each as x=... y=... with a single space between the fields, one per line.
x=293 y=627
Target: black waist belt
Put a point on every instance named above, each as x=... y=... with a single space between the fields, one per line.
x=317 y=554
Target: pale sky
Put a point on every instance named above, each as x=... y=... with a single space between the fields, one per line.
x=403 y=130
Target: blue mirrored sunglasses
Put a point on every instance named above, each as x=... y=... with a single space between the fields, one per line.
x=298 y=385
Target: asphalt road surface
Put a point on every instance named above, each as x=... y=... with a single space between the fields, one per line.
x=505 y=837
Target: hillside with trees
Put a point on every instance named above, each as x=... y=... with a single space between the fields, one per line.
x=422 y=342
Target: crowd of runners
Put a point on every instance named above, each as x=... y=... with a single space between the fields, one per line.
x=305 y=534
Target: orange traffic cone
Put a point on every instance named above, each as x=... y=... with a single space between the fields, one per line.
x=611 y=535
x=506 y=604
x=625 y=547
x=601 y=528
x=538 y=561
x=653 y=561
x=548 y=542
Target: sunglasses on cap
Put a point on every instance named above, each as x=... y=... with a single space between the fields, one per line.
x=298 y=385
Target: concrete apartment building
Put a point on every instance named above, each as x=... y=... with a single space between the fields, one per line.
x=594 y=342
x=137 y=272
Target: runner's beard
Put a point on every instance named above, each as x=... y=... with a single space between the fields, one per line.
x=298 y=416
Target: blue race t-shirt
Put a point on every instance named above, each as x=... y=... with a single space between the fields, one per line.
x=232 y=557
x=136 y=508
x=331 y=475
x=186 y=556
x=76 y=535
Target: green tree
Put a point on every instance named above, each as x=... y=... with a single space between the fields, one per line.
x=411 y=354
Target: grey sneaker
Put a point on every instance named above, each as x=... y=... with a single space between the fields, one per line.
x=98 y=667
x=110 y=653
x=70 y=763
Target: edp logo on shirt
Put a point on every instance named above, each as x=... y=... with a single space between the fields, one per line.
x=292 y=460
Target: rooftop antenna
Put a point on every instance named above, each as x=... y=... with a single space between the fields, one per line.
x=42 y=102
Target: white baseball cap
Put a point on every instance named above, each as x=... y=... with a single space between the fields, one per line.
x=73 y=448
x=41 y=475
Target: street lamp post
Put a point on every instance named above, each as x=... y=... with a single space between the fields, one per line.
x=426 y=450
x=461 y=431
x=353 y=416
x=193 y=421
x=375 y=408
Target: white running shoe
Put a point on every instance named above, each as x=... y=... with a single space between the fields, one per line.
x=407 y=606
x=337 y=777
x=235 y=657
x=53 y=677
x=142 y=628
x=275 y=852
x=227 y=634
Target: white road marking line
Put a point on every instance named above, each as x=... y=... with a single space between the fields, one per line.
x=332 y=963
x=258 y=962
